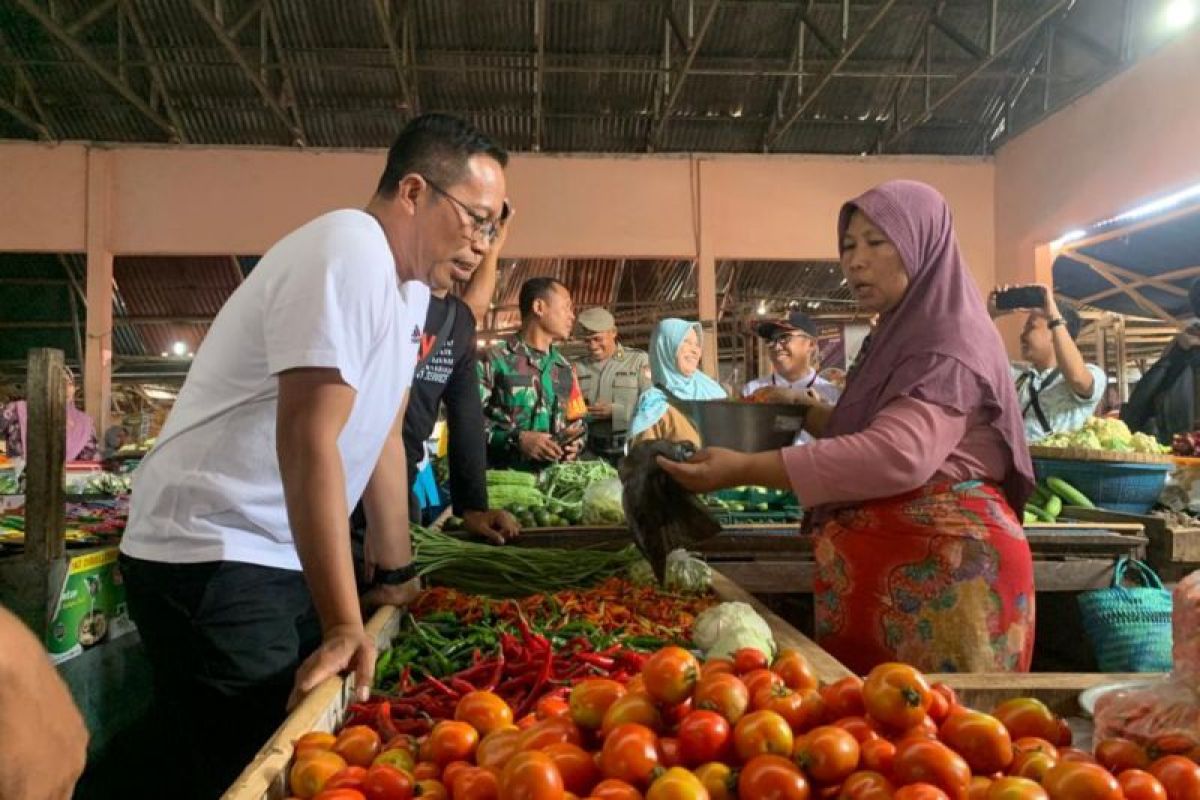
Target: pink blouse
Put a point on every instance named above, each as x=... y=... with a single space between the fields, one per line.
x=908 y=444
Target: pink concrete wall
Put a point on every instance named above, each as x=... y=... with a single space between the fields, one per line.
x=43 y=197
x=1132 y=138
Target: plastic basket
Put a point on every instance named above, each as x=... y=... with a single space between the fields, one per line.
x=1118 y=486
x=1129 y=627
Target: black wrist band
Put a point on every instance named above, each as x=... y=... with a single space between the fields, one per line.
x=1056 y=322
x=394 y=577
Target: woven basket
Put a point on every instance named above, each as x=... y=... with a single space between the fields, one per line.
x=1129 y=627
x=1131 y=487
x=1083 y=454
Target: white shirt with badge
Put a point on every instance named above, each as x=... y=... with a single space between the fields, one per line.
x=1064 y=410
x=326 y=295
x=824 y=389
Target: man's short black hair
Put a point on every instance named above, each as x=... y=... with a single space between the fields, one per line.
x=535 y=289
x=1071 y=317
x=436 y=146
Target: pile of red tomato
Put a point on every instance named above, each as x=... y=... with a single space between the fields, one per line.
x=740 y=728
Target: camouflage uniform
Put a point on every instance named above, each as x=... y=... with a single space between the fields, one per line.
x=525 y=390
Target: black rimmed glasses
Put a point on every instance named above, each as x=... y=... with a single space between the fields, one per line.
x=482 y=227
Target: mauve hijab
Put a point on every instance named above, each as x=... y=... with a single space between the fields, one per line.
x=938 y=345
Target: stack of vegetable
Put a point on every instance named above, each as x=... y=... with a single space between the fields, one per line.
x=565 y=494
x=511 y=571
x=1101 y=433
x=1048 y=500
x=680 y=730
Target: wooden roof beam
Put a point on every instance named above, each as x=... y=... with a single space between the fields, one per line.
x=1156 y=280
x=1106 y=271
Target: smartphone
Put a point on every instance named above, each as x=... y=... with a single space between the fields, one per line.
x=568 y=435
x=1021 y=297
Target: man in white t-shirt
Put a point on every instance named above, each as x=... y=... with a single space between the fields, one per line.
x=792 y=345
x=237 y=556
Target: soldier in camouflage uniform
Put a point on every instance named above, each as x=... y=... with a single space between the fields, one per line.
x=533 y=408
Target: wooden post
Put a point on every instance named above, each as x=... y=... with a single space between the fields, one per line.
x=706 y=277
x=1122 y=357
x=32 y=582
x=97 y=376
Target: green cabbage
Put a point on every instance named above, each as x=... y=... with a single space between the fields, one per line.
x=726 y=628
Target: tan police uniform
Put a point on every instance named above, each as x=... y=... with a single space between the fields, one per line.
x=618 y=380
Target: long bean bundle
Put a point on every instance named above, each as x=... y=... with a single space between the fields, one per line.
x=512 y=571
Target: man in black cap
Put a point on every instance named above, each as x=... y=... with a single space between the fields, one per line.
x=1166 y=400
x=792 y=346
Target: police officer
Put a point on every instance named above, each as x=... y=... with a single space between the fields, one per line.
x=612 y=377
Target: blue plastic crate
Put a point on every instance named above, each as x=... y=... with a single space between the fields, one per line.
x=1118 y=486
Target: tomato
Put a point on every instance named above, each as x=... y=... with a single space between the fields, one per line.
x=475 y=783
x=920 y=791
x=980 y=739
x=1178 y=775
x=1065 y=736
x=862 y=728
x=576 y=765
x=313 y=770
x=715 y=666
x=897 y=695
x=1075 y=754
x=1032 y=744
x=794 y=669
x=395 y=757
x=787 y=704
x=1140 y=785
x=878 y=755
x=1028 y=716
x=387 y=783
x=1011 y=788
x=677 y=784
x=452 y=771
x=749 y=659
x=866 y=785
x=1171 y=744
x=552 y=706
x=939 y=707
x=762 y=732
x=704 y=736
x=719 y=779
x=530 y=776
x=674 y=714
x=484 y=711
x=634 y=707
x=772 y=777
x=924 y=760
x=528 y=721
x=315 y=740
x=671 y=674
x=979 y=787
x=725 y=694
x=1069 y=780
x=615 y=790
x=426 y=770
x=758 y=680
x=358 y=744
x=1033 y=765
x=668 y=752
x=349 y=778
x=451 y=740
x=549 y=731
x=430 y=789
x=844 y=698
x=340 y=794
x=629 y=754
x=827 y=754
x=591 y=699
x=495 y=749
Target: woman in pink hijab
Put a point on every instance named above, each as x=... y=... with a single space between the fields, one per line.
x=81 y=444
x=915 y=483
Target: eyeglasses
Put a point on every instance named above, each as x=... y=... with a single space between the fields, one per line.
x=481 y=227
x=784 y=339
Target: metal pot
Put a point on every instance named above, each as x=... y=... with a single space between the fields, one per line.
x=747 y=427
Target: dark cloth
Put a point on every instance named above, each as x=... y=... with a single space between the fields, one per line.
x=1164 y=402
x=224 y=640
x=449 y=377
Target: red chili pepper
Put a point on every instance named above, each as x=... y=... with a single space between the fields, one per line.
x=441 y=687
x=383 y=721
x=603 y=662
x=494 y=680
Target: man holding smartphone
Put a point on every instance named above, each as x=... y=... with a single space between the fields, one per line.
x=534 y=410
x=1058 y=390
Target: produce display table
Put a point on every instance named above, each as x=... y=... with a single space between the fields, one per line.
x=1173 y=551
x=325 y=707
x=774 y=559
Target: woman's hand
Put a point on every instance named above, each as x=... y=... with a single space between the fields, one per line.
x=711 y=469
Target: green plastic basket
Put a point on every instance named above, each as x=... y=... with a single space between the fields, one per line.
x=1130 y=627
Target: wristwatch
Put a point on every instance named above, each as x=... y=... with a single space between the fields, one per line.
x=1056 y=322
x=394 y=577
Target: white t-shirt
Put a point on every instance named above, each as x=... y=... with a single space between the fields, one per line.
x=1064 y=410
x=326 y=295
x=824 y=389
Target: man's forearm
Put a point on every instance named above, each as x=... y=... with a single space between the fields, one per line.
x=482 y=286
x=313 y=486
x=1070 y=362
x=386 y=505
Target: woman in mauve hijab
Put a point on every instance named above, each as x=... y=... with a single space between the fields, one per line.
x=915 y=482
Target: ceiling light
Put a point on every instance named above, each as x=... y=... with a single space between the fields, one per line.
x=179 y=349
x=762 y=307
x=1067 y=238
x=1179 y=14
x=159 y=394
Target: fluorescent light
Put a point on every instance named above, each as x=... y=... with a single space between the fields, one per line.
x=1179 y=13
x=1161 y=204
x=1067 y=238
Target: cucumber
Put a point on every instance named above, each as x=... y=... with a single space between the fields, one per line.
x=1040 y=495
x=1070 y=495
x=1029 y=517
x=1053 y=506
x=1038 y=512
